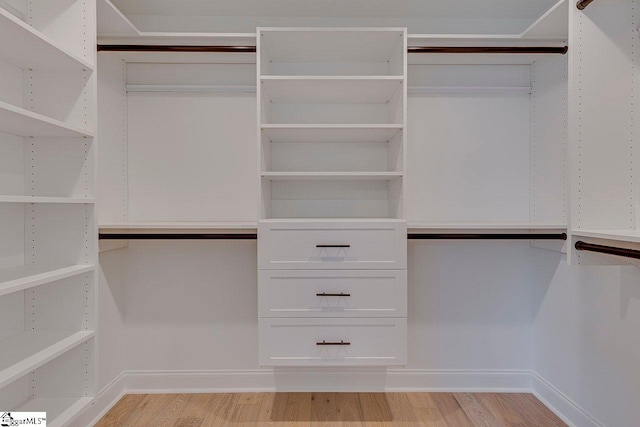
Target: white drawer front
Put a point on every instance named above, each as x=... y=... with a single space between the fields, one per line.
x=333 y=245
x=333 y=342
x=323 y=293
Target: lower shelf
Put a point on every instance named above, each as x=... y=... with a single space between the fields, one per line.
x=27 y=351
x=59 y=411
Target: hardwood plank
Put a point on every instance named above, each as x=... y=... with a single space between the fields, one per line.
x=348 y=409
x=402 y=410
x=375 y=409
x=286 y=409
x=150 y=405
x=121 y=410
x=451 y=411
x=324 y=409
x=532 y=411
x=219 y=410
x=167 y=414
x=195 y=411
x=246 y=410
x=426 y=409
x=501 y=409
x=479 y=415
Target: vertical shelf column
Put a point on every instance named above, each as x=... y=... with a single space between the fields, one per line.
x=332 y=235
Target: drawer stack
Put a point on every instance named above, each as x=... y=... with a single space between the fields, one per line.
x=332 y=293
x=332 y=237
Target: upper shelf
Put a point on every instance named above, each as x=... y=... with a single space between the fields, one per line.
x=113 y=22
x=331 y=89
x=21 y=122
x=618 y=235
x=328 y=45
x=24 y=47
x=331 y=176
x=484 y=226
x=330 y=133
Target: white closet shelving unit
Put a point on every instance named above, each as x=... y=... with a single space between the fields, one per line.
x=47 y=206
x=331 y=148
x=331 y=144
x=604 y=149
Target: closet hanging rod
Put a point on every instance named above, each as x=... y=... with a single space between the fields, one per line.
x=610 y=250
x=561 y=50
x=177 y=236
x=582 y=4
x=253 y=236
x=174 y=48
x=411 y=49
x=487 y=236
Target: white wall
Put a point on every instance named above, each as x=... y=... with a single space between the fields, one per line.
x=586 y=341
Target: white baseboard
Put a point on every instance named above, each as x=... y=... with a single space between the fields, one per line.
x=333 y=379
x=104 y=401
x=327 y=379
x=565 y=408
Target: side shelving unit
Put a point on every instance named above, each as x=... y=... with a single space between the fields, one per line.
x=605 y=199
x=48 y=232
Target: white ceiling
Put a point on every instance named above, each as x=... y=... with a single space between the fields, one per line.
x=429 y=9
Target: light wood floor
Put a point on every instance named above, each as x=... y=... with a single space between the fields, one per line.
x=330 y=409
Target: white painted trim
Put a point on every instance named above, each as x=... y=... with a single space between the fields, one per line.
x=327 y=379
x=104 y=401
x=561 y=405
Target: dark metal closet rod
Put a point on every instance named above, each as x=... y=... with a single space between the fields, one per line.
x=611 y=250
x=173 y=48
x=582 y=4
x=251 y=49
x=253 y=236
x=561 y=50
x=178 y=236
x=487 y=236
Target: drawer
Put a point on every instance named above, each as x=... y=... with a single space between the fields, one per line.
x=333 y=342
x=324 y=293
x=332 y=245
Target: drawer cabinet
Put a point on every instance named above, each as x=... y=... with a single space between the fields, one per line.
x=335 y=246
x=325 y=293
x=333 y=342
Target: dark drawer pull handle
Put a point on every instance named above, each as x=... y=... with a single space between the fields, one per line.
x=333 y=246
x=341 y=294
x=333 y=343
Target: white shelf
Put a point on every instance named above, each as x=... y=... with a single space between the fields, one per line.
x=484 y=226
x=331 y=89
x=336 y=220
x=553 y=24
x=331 y=176
x=60 y=410
x=330 y=133
x=27 y=351
x=470 y=90
x=113 y=22
x=179 y=226
x=331 y=45
x=24 y=47
x=632 y=236
x=21 y=122
x=29 y=276
x=191 y=88
x=50 y=200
